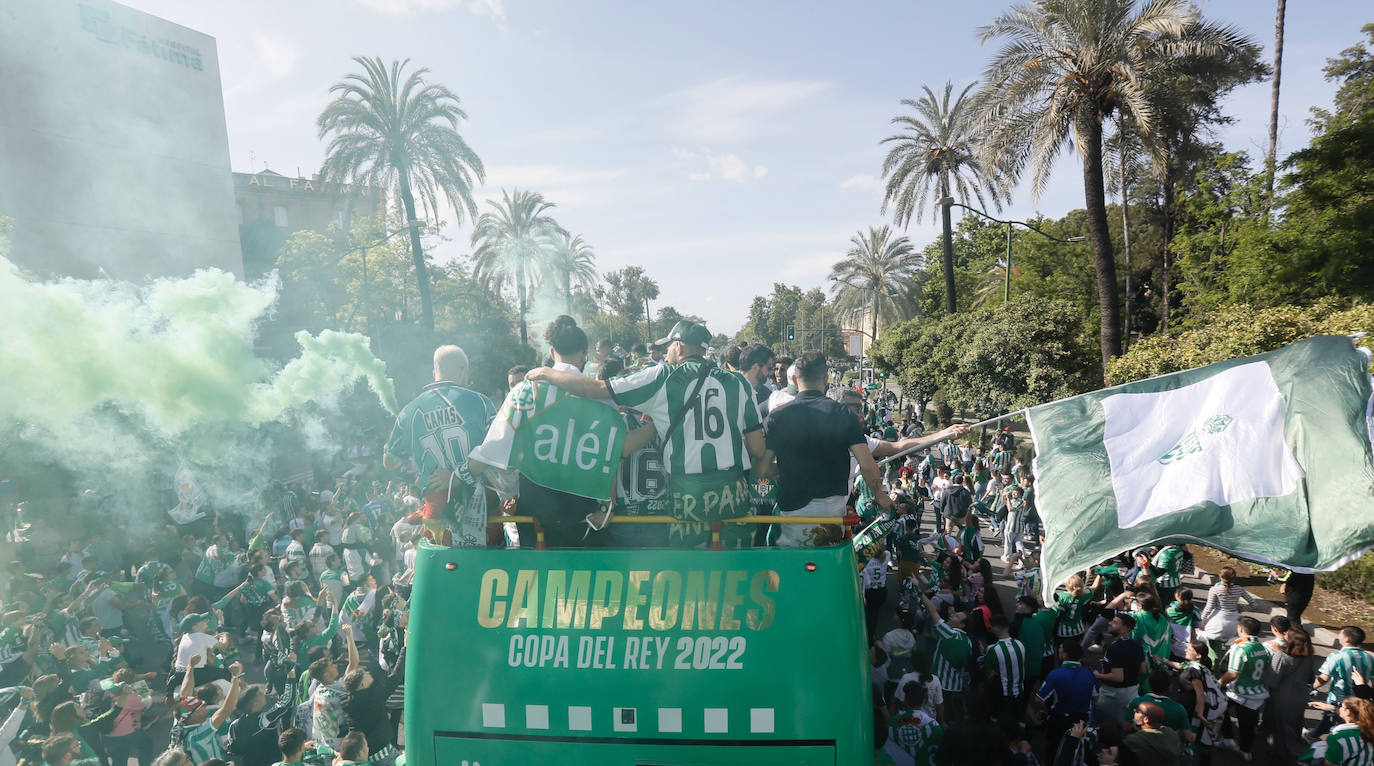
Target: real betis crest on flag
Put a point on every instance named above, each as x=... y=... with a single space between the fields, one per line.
x=556 y=440
x=1266 y=457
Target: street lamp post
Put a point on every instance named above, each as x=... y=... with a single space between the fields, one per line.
x=948 y=202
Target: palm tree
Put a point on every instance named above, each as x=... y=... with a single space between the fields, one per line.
x=573 y=258
x=937 y=151
x=1068 y=66
x=393 y=130
x=513 y=244
x=876 y=277
x=1274 y=103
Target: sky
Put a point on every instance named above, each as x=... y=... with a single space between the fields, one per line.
x=721 y=145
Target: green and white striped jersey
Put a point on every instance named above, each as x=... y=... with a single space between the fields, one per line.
x=1345 y=747
x=1071 y=613
x=1008 y=658
x=951 y=657
x=203 y=742
x=1248 y=660
x=711 y=436
x=1168 y=559
x=1338 y=666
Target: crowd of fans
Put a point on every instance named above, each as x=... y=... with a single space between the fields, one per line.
x=1122 y=666
x=277 y=633
x=114 y=648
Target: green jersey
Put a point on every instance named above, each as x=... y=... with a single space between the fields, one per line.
x=1175 y=716
x=1338 y=666
x=1168 y=560
x=1346 y=747
x=1048 y=619
x=1153 y=633
x=1032 y=635
x=641 y=490
x=1028 y=582
x=642 y=487
x=202 y=742
x=915 y=735
x=436 y=430
x=710 y=437
x=1248 y=660
x=327 y=706
x=1071 y=614
x=1007 y=658
x=951 y=657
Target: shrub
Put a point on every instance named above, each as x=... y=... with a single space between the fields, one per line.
x=1355 y=579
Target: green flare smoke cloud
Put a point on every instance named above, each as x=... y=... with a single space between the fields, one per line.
x=118 y=383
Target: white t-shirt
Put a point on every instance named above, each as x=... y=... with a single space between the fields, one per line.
x=191 y=645
x=109 y=615
x=966 y=454
x=779 y=398
x=935 y=694
x=854 y=463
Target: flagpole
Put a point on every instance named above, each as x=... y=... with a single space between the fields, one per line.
x=932 y=443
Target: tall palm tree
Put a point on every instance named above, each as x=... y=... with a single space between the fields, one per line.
x=572 y=257
x=1274 y=103
x=394 y=130
x=876 y=277
x=1067 y=66
x=937 y=151
x=514 y=242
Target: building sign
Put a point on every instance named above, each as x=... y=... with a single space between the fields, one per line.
x=116 y=159
x=282 y=183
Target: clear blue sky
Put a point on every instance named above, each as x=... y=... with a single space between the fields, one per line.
x=721 y=145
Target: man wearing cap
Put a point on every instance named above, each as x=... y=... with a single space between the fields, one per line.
x=710 y=429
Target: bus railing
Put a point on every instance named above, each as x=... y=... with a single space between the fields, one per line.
x=848 y=522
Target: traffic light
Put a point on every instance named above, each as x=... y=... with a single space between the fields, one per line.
x=791 y=333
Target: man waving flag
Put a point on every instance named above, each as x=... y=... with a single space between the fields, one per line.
x=1266 y=457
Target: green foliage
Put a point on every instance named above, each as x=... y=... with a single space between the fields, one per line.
x=992 y=360
x=389 y=129
x=815 y=321
x=874 y=281
x=1354 y=67
x=322 y=287
x=625 y=292
x=517 y=243
x=1237 y=331
x=1355 y=579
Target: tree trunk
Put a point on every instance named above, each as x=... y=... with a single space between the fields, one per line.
x=1126 y=241
x=520 y=291
x=1095 y=200
x=947 y=256
x=1166 y=282
x=874 y=337
x=567 y=282
x=417 y=251
x=1274 y=106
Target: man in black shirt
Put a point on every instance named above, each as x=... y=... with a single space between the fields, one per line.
x=812 y=439
x=1122 y=665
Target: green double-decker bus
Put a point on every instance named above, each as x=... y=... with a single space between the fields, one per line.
x=637 y=657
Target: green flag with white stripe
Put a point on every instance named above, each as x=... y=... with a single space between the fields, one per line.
x=1265 y=457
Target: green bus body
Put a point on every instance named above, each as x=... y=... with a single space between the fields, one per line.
x=640 y=657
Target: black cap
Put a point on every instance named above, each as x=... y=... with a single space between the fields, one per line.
x=690 y=333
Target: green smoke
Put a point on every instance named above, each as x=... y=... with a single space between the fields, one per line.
x=117 y=383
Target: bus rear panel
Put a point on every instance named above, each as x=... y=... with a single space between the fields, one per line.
x=637 y=657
